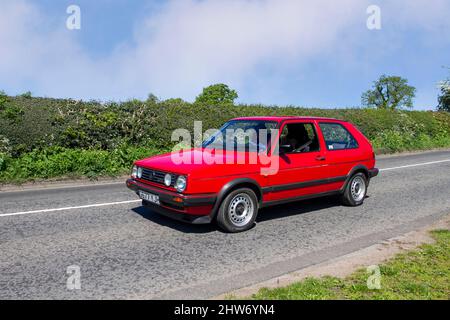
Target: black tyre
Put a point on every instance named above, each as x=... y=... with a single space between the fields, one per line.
x=238 y=211
x=355 y=190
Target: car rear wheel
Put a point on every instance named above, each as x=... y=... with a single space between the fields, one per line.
x=238 y=210
x=355 y=190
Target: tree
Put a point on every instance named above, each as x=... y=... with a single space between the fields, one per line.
x=389 y=92
x=152 y=98
x=8 y=110
x=444 y=97
x=217 y=94
x=174 y=101
x=27 y=95
x=3 y=100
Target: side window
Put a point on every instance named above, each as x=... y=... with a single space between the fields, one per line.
x=299 y=138
x=337 y=136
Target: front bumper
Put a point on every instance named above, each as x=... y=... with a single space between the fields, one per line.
x=196 y=209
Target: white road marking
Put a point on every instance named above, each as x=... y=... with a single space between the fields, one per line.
x=415 y=165
x=70 y=208
x=135 y=201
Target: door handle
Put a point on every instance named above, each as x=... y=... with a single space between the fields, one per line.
x=321 y=158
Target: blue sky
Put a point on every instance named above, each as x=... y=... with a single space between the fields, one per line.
x=285 y=52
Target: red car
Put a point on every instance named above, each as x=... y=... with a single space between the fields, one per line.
x=302 y=158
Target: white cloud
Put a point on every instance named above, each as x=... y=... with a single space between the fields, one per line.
x=184 y=46
x=33 y=53
x=194 y=43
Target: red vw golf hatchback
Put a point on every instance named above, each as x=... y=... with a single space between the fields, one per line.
x=255 y=162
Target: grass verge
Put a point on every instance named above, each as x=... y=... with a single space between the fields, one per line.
x=418 y=274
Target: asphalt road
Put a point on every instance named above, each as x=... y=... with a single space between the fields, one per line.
x=126 y=251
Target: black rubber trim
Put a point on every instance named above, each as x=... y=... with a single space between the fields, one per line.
x=373 y=172
x=359 y=167
x=301 y=185
x=300 y=198
x=199 y=201
x=188 y=218
x=167 y=197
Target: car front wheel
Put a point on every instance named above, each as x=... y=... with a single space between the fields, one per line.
x=356 y=190
x=238 y=210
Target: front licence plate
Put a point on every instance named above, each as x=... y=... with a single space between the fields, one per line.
x=150 y=197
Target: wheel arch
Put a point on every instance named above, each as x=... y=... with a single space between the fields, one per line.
x=356 y=169
x=237 y=184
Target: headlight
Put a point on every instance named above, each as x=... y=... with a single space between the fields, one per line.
x=168 y=180
x=134 y=172
x=139 y=172
x=180 y=185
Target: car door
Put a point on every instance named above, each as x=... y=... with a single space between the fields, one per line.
x=300 y=173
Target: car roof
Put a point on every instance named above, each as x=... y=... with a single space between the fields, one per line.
x=283 y=118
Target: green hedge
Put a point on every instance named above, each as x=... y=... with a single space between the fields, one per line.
x=42 y=137
x=62 y=162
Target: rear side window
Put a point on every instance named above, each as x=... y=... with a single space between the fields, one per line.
x=337 y=137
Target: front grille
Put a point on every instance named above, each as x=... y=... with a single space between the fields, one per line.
x=156 y=176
